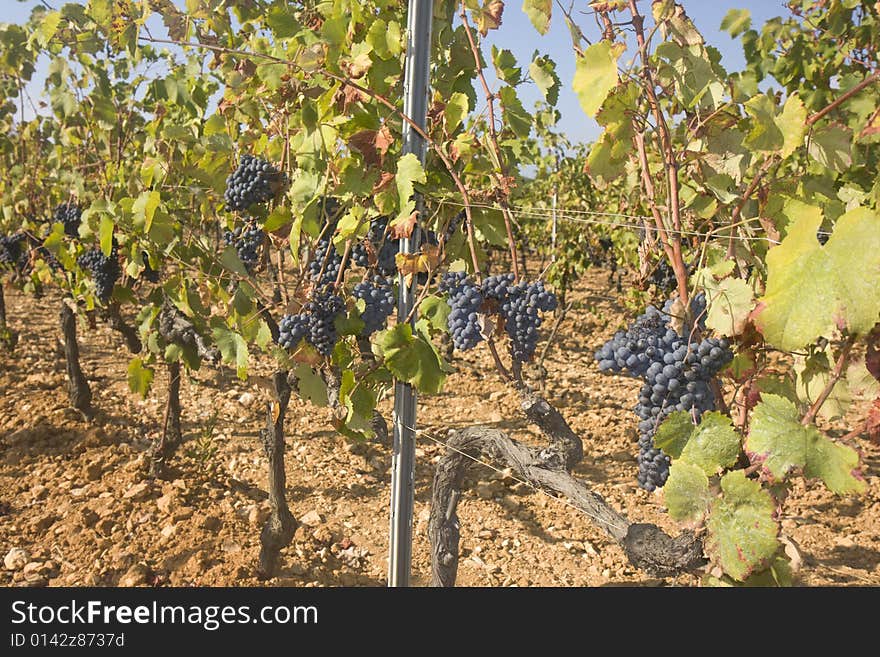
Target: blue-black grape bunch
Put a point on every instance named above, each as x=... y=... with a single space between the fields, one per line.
x=13 y=254
x=69 y=215
x=380 y=245
x=663 y=276
x=377 y=294
x=518 y=304
x=326 y=260
x=676 y=372
x=465 y=302
x=316 y=324
x=254 y=181
x=103 y=270
x=247 y=242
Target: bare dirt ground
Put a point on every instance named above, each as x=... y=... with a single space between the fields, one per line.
x=77 y=504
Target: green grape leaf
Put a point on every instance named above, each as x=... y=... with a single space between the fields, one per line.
x=232 y=347
x=742 y=531
x=792 y=124
x=596 y=74
x=105 y=233
x=144 y=209
x=229 y=259
x=830 y=146
x=515 y=114
x=730 y=302
x=765 y=135
x=505 y=65
x=539 y=13
x=542 y=70
x=711 y=445
x=672 y=435
x=140 y=377
x=278 y=218
x=435 y=311
x=409 y=172
x=410 y=358
x=455 y=111
x=686 y=493
x=736 y=21
x=311 y=386
x=781 y=443
x=814 y=290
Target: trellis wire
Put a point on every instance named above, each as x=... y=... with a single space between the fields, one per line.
x=562 y=216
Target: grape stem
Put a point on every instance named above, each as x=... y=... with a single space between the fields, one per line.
x=836 y=373
x=493 y=139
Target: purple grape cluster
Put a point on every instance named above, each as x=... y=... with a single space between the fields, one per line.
x=317 y=323
x=254 y=181
x=676 y=372
x=69 y=215
x=518 y=304
x=13 y=255
x=465 y=301
x=384 y=248
x=520 y=310
x=247 y=243
x=324 y=265
x=103 y=270
x=292 y=329
x=379 y=303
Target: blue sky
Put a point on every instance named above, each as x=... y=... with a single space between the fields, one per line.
x=518 y=35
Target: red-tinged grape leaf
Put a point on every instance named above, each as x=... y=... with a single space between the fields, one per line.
x=742 y=532
x=489 y=16
x=814 y=290
x=404 y=227
x=686 y=493
x=782 y=444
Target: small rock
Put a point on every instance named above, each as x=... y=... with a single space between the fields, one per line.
x=168 y=531
x=165 y=502
x=311 y=519
x=230 y=546
x=135 y=576
x=94 y=471
x=211 y=523
x=105 y=527
x=246 y=399
x=323 y=535
x=137 y=492
x=32 y=571
x=257 y=515
x=486 y=533
x=16 y=559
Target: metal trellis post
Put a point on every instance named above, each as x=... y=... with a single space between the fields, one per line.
x=415 y=106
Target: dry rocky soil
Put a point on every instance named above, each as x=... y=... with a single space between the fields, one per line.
x=77 y=507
